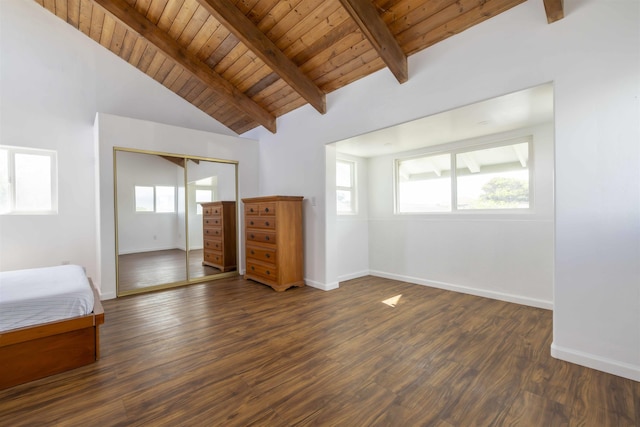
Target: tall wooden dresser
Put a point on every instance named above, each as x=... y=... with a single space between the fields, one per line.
x=219 y=235
x=273 y=238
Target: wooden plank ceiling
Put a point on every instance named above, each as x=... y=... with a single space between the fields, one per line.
x=247 y=62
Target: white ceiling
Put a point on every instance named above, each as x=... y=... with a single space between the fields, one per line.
x=516 y=110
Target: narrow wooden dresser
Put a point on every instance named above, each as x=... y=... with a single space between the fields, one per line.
x=219 y=235
x=273 y=237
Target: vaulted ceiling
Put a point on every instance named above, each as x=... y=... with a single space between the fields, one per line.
x=247 y=62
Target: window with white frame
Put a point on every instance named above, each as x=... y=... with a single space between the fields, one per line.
x=346 y=187
x=160 y=199
x=205 y=191
x=28 y=181
x=493 y=177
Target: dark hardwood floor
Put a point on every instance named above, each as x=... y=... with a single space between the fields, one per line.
x=236 y=353
x=145 y=269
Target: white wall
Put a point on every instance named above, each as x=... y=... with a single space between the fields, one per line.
x=507 y=256
x=352 y=231
x=53 y=80
x=593 y=58
x=114 y=131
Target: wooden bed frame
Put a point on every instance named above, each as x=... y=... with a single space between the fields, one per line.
x=34 y=352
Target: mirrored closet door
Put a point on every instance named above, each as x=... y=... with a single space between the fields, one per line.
x=167 y=230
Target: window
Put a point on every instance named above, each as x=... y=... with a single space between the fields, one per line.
x=144 y=199
x=346 y=187
x=165 y=199
x=496 y=177
x=424 y=184
x=161 y=199
x=28 y=181
x=205 y=190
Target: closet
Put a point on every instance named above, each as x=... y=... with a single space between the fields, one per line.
x=160 y=226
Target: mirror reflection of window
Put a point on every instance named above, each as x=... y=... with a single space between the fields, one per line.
x=205 y=190
x=144 y=198
x=165 y=199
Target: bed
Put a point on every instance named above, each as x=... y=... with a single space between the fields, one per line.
x=49 y=323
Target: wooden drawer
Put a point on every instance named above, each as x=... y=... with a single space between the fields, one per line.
x=213 y=245
x=268 y=209
x=212 y=210
x=251 y=209
x=260 y=222
x=267 y=272
x=267 y=255
x=214 y=257
x=213 y=221
x=262 y=209
x=213 y=232
x=261 y=236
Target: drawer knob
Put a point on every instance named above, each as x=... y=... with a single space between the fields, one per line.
x=252 y=252
x=268 y=272
x=252 y=236
x=266 y=237
x=253 y=268
x=251 y=222
x=266 y=209
x=251 y=209
x=266 y=223
x=267 y=256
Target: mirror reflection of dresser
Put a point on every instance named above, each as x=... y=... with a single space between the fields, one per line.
x=219 y=235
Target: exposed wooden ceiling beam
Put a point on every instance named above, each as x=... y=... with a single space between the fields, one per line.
x=163 y=42
x=364 y=13
x=554 y=9
x=248 y=33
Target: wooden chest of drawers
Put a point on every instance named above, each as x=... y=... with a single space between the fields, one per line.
x=219 y=235
x=273 y=240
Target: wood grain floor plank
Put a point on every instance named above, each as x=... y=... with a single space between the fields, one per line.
x=235 y=353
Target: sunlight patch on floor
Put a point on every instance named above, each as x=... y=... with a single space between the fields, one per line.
x=393 y=301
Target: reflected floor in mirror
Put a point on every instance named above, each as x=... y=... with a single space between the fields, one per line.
x=145 y=269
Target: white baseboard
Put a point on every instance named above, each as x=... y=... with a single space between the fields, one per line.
x=141 y=250
x=532 y=302
x=352 y=276
x=107 y=295
x=322 y=286
x=609 y=366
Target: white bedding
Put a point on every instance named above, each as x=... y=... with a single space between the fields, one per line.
x=41 y=295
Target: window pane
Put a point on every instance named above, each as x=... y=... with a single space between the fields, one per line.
x=165 y=199
x=424 y=184
x=494 y=178
x=32 y=182
x=343 y=201
x=144 y=199
x=203 y=196
x=344 y=174
x=5 y=186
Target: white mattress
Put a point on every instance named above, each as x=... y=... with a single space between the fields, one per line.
x=41 y=295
